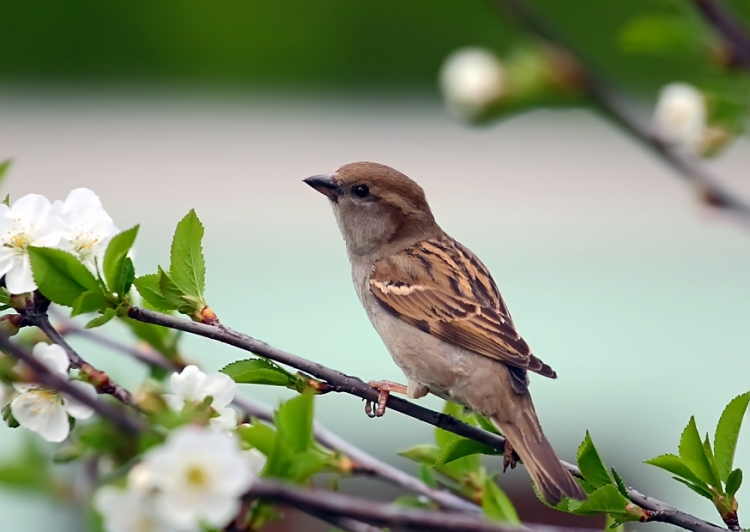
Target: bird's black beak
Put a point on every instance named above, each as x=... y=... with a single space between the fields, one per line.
x=325 y=184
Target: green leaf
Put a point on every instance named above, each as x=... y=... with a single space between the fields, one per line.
x=294 y=421
x=693 y=454
x=674 y=464
x=712 y=464
x=148 y=287
x=89 y=301
x=425 y=453
x=187 y=267
x=699 y=489
x=305 y=465
x=443 y=437
x=258 y=371
x=114 y=264
x=4 y=296
x=260 y=436
x=461 y=447
x=591 y=464
x=621 y=487
x=172 y=293
x=128 y=276
x=660 y=35
x=734 y=481
x=727 y=433
x=4 y=169
x=427 y=476
x=606 y=499
x=496 y=504
x=486 y=424
x=60 y=276
x=279 y=460
x=106 y=316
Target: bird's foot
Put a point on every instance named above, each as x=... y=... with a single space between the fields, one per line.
x=510 y=457
x=385 y=388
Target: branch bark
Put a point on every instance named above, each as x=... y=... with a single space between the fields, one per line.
x=377 y=513
x=718 y=15
x=52 y=381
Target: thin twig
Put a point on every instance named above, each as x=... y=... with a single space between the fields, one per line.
x=101 y=381
x=719 y=16
x=55 y=382
x=613 y=105
x=337 y=381
x=377 y=513
x=354 y=386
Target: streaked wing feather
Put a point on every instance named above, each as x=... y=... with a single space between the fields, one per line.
x=419 y=285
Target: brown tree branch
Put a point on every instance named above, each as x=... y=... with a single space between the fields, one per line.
x=718 y=15
x=611 y=103
x=354 y=386
x=52 y=381
x=377 y=513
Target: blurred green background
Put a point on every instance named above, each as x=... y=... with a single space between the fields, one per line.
x=330 y=43
x=638 y=298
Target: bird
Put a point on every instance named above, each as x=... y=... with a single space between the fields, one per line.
x=440 y=314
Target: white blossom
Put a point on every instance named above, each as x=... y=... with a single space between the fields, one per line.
x=87 y=227
x=193 y=386
x=199 y=475
x=128 y=510
x=26 y=223
x=471 y=79
x=680 y=115
x=46 y=411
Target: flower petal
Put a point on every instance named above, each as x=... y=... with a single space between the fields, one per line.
x=33 y=209
x=226 y=421
x=221 y=387
x=19 y=279
x=177 y=511
x=188 y=384
x=52 y=356
x=42 y=411
x=76 y=409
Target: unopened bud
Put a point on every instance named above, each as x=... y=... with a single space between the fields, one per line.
x=10 y=324
x=472 y=80
x=680 y=115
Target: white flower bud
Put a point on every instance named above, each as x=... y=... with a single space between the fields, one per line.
x=680 y=115
x=472 y=80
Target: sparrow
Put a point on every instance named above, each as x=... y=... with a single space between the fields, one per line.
x=439 y=313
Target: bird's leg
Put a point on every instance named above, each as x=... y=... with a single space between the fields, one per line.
x=510 y=457
x=385 y=388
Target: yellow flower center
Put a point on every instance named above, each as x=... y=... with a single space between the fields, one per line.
x=196 y=477
x=19 y=242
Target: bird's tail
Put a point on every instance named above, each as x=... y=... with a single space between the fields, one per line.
x=551 y=478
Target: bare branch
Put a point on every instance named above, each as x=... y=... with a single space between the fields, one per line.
x=55 y=382
x=613 y=105
x=98 y=378
x=377 y=513
x=718 y=15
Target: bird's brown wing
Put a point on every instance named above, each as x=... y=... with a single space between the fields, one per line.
x=443 y=289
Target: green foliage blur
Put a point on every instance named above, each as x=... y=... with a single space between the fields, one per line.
x=389 y=44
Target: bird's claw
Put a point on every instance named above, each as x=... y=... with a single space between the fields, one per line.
x=384 y=388
x=510 y=458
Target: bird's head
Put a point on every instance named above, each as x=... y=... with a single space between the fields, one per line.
x=378 y=209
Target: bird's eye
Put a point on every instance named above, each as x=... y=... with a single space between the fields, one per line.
x=361 y=191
